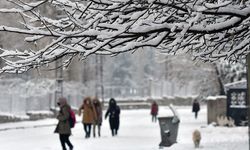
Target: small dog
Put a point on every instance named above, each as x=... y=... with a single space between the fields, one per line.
x=196 y=138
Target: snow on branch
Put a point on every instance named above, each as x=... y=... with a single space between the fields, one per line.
x=209 y=30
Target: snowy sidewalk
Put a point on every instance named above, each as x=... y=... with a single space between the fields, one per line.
x=137 y=132
x=27 y=124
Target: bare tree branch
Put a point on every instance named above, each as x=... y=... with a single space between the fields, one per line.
x=209 y=30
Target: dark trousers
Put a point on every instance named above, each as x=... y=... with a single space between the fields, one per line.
x=196 y=114
x=114 y=125
x=87 y=129
x=114 y=132
x=98 y=129
x=64 y=139
x=154 y=118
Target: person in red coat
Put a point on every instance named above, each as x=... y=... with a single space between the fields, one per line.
x=154 y=111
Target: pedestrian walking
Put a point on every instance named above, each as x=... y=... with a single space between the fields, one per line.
x=89 y=115
x=196 y=108
x=63 y=126
x=154 y=111
x=98 y=122
x=113 y=112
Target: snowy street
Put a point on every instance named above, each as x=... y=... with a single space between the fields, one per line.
x=137 y=132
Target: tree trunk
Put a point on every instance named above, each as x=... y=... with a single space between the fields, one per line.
x=101 y=77
x=96 y=76
x=248 y=97
x=222 y=90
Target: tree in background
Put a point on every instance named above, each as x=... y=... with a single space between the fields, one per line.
x=209 y=30
x=229 y=72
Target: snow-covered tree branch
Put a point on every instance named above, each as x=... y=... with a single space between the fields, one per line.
x=208 y=29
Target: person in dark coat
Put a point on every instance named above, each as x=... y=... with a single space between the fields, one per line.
x=98 y=121
x=196 y=108
x=63 y=127
x=114 y=116
x=154 y=111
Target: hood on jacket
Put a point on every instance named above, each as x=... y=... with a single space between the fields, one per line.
x=112 y=102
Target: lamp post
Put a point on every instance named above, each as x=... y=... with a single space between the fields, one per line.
x=59 y=80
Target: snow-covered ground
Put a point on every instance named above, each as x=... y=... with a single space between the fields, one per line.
x=137 y=132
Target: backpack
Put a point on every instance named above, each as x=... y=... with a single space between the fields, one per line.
x=72 y=118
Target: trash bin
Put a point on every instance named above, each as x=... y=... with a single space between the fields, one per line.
x=169 y=130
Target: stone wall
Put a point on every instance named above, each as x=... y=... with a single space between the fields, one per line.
x=124 y=104
x=146 y=103
x=216 y=107
x=178 y=101
x=4 y=118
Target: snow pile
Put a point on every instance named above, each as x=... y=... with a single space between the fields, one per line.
x=6 y=117
x=36 y=115
x=213 y=98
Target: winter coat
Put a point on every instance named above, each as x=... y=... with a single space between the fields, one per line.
x=89 y=113
x=63 y=126
x=154 y=109
x=114 y=115
x=196 y=107
x=98 y=109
